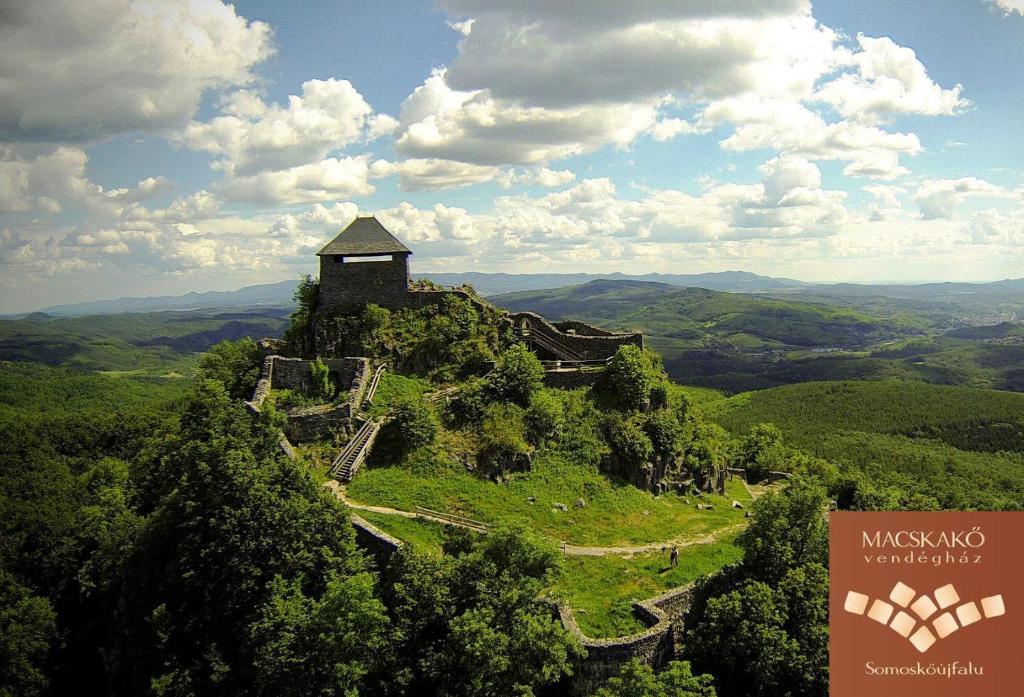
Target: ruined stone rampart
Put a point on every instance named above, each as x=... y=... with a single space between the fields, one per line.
x=378 y=543
x=571 y=326
x=656 y=645
x=296 y=373
x=311 y=423
x=589 y=347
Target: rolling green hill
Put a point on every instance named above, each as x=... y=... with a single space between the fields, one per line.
x=736 y=342
x=700 y=317
x=151 y=341
x=957 y=443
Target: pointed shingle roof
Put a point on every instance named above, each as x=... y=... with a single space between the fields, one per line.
x=364 y=236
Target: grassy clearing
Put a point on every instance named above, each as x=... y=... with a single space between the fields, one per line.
x=616 y=513
x=601 y=590
x=698 y=395
x=425 y=536
x=393 y=387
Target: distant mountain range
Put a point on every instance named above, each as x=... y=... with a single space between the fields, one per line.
x=727 y=281
x=280 y=294
x=487 y=284
x=272 y=294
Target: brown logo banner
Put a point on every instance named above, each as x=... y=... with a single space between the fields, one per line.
x=926 y=604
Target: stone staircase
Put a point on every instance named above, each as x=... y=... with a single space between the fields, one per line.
x=352 y=456
x=549 y=343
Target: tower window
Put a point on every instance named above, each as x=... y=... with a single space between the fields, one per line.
x=359 y=260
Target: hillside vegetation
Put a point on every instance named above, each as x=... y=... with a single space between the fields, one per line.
x=157 y=541
x=962 y=447
x=698 y=317
x=153 y=342
x=736 y=342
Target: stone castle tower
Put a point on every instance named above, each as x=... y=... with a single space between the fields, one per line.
x=364 y=264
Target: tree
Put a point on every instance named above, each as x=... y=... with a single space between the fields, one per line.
x=707 y=451
x=320 y=376
x=760 y=451
x=758 y=640
x=411 y=424
x=544 y=417
x=470 y=623
x=234 y=364
x=318 y=646
x=761 y=627
x=665 y=432
x=28 y=629
x=787 y=530
x=468 y=404
x=741 y=640
x=517 y=374
x=631 y=447
x=299 y=334
x=375 y=336
x=502 y=446
x=637 y=679
x=237 y=516
x=632 y=374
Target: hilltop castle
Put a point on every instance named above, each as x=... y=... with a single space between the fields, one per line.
x=367 y=264
x=364 y=264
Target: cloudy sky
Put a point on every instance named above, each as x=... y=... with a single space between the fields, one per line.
x=161 y=146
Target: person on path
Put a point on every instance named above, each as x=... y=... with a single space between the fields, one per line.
x=674 y=557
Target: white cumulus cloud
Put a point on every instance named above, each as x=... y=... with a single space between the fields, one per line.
x=937 y=198
x=77 y=71
x=889 y=80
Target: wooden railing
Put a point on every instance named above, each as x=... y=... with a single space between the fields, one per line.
x=371 y=391
x=451 y=518
x=550 y=343
x=348 y=460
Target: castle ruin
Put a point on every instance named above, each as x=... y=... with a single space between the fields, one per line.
x=364 y=264
x=367 y=264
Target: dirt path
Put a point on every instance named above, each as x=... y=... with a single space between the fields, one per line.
x=584 y=551
x=573 y=550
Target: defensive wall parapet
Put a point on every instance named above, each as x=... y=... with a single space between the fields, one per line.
x=311 y=423
x=656 y=645
x=597 y=345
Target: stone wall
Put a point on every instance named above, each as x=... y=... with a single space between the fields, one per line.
x=590 y=347
x=345 y=287
x=656 y=646
x=262 y=385
x=571 y=326
x=426 y=298
x=296 y=374
x=378 y=543
x=571 y=379
x=311 y=423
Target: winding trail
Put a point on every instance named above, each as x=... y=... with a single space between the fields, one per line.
x=572 y=550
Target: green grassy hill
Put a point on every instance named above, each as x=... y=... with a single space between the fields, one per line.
x=697 y=316
x=736 y=342
x=955 y=443
x=150 y=342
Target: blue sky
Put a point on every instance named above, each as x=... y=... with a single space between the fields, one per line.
x=162 y=146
